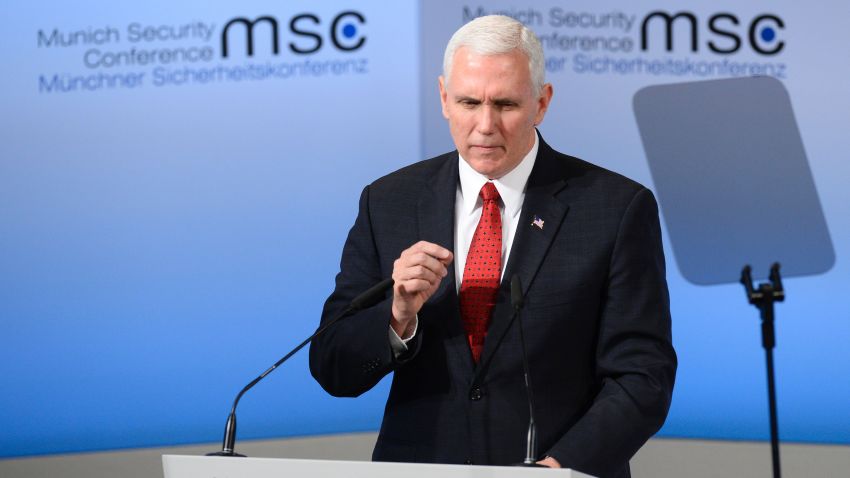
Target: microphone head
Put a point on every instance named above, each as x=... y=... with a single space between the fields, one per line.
x=517 y=299
x=372 y=296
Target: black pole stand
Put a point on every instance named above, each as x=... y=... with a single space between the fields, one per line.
x=531 y=439
x=763 y=298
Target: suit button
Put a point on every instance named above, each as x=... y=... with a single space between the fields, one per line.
x=467 y=462
x=476 y=394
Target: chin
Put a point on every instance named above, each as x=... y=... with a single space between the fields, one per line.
x=487 y=167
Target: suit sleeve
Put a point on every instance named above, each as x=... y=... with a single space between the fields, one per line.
x=355 y=354
x=635 y=360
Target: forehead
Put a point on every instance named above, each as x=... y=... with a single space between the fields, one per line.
x=504 y=71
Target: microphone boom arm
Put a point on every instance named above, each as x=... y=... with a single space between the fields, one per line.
x=362 y=301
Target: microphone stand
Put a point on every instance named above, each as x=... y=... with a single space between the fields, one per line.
x=366 y=299
x=531 y=440
x=763 y=298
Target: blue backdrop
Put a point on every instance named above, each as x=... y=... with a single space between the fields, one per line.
x=171 y=218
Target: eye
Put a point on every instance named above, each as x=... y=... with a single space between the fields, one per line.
x=505 y=105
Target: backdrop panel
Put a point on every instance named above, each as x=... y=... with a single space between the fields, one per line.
x=172 y=216
x=598 y=57
x=176 y=182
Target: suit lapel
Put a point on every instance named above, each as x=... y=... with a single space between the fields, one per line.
x=531 y=243
x=436 y=210
x=436 y=215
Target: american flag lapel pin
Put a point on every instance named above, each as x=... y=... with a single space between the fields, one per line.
x=537 y=222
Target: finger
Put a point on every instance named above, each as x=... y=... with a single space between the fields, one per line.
x=425 y=260
x=419 y=272
x=415 y=272
x=412 y=258
x=412 y=286
x=434 y=250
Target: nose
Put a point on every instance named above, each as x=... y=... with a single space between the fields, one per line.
x=487 y=119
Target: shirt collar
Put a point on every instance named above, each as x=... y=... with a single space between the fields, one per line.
x=511 y=186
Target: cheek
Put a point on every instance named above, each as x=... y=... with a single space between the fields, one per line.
x=458 y=131
x=460 y=120
x=513 y=126
x=519 y=123
x=538 y=116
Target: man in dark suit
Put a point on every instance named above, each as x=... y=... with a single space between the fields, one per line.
x=452 y=231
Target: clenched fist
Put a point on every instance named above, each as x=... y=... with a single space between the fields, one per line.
x=417 y=274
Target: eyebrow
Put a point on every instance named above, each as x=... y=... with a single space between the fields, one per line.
x=496 y=101
x=505 y=101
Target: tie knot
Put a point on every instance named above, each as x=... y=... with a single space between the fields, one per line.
x=489 y=192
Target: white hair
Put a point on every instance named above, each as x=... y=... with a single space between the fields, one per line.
x=495 y=35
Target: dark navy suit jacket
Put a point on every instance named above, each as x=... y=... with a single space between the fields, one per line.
x=596 y=321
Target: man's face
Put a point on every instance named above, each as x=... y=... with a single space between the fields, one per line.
x=491 y=109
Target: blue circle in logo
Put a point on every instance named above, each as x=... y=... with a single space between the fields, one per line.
x=768 y=34
x=350 y=30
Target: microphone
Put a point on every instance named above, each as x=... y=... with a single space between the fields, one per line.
x=517 y=301
x=370 y=297
x=367 y=299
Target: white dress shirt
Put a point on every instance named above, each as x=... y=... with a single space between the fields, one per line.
x=468 y=207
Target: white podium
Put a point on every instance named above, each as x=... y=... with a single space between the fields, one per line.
x=178 y=466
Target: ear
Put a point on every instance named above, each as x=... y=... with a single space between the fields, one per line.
x=543 y=103
x=443 y=96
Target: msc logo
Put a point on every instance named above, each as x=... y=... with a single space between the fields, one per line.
x=762 y=33
x=344 y=33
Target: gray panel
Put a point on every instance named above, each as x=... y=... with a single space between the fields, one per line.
x=732 y=178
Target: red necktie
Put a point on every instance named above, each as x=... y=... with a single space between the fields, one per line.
x=481 y=273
